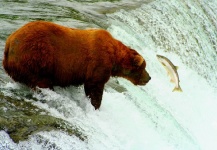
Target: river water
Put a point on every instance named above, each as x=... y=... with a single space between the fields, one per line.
x=150 y=117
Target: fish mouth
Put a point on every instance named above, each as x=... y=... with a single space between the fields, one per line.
x=159 y=56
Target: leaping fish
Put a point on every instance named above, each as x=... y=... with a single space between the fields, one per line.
x=172 y=71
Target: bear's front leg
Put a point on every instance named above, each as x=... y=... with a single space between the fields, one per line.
x=94 y=91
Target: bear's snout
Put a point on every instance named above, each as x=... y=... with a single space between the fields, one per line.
x=145 y=78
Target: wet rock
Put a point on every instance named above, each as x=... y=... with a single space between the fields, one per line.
x=19 y=118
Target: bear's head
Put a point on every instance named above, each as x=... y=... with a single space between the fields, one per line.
x=133 y=68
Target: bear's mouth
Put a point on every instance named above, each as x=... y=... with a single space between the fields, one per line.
x=144 y=82
x=141 y=83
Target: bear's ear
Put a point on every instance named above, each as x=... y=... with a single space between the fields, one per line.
x=138 y=60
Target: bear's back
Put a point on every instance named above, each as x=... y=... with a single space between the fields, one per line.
x=43 y=48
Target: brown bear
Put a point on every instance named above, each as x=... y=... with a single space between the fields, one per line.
x=45 y=54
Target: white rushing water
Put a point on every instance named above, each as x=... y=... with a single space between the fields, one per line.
x=150 y=117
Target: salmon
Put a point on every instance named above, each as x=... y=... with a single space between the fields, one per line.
x=172 y=71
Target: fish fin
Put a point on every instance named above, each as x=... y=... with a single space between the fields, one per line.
x=177 y=89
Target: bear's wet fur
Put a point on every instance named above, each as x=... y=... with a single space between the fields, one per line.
x=45 y=54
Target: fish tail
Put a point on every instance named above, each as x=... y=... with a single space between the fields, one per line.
x=177 y=89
